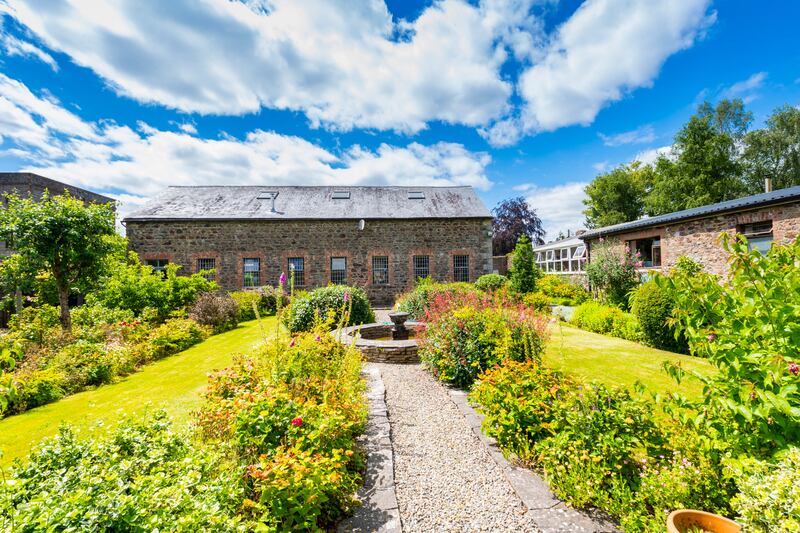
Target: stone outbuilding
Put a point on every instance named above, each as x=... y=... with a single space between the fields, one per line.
x=767 y=218
x=380 y=238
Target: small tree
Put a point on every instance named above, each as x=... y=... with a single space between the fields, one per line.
x=62 y=236
x=524 y=271
x=613 y=275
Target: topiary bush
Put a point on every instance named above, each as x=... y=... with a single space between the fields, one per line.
x=490 y=282
x=652 y=306
x=327 y=304
x=217 y=310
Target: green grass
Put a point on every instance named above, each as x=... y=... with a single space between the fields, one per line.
x=612 y=361
x=174 y=384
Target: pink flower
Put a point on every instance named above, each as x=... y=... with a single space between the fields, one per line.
x=794 y=368
x=282 y=279
x=711 y=337
x=318 y=339
x=291 y=344
x=346 y=296
x=297 y=422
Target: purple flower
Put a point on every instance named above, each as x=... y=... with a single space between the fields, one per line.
x=318 y=339
x=711 y=337
x=346 y=296
x=794 y=368
x=282 y=279
x=291 y=344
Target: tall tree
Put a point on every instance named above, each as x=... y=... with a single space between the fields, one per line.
x=704 y=166
x=512 y=219
x=62 y=236
x=524 y=271
x=774 y=151
x=617 y=196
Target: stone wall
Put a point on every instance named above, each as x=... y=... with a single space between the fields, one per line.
x=229 y=242
x=699 y=239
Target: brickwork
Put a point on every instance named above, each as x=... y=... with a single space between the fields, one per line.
x=317 y=241
x=699 y=239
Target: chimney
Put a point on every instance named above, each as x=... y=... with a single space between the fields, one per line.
x=767 y=184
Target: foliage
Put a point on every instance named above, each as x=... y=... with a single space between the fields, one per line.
x=491 y=282
x=537 y=301
x=175 y=335
x=35 y=324
x=617 y=196
x=612 y=274
x=769 y=497
x=606 y=320
x=514 y=218
x=416 y=301
x=217 y=310
x=263 y=299
x=143 y=476
x=462 y=339
x=62 y=236
x=39 y=387
x=749 y=329
x=563 y=291
x=652 y=306
x=137 y=287
x=524 y=271
x=17 y=278
x=774 y=151
x=328 y=304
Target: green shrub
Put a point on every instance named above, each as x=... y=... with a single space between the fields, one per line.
x=175 y=335
x=490 y=282
x=459 y=342
x=83 y=363
x=613 y=274
x=217 y=310
x=416 y=301
x=606 y=320
x=265 y=299
x=35 y=324
x=328 y=303
x=769 y=497
x=561 y=291
x=524 y=271
x=538 y=301
x=95 y=323
x=652 y=306
x=143 y=476
x=37 y=388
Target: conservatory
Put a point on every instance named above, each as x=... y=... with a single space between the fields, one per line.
x=565 y=256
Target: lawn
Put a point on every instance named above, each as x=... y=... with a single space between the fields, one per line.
x=174 y=384
x=593 y=357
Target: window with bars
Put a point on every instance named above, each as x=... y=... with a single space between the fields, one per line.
x=422 y=266
x=460 y=268
x=207 y=263
x=251 y=272
x=159 y=265
x=297 y=268
x=758 y=234
x=338 y=270
x=380 y=270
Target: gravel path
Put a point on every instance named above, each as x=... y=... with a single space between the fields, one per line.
x=444 y=477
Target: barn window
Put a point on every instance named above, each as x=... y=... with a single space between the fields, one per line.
x=338 y=270
x=251 y=272
x=460 y=268
x=297 y=268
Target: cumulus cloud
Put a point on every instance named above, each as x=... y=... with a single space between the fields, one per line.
x=642 y=135
x=135 y=163
x=560 y=207
x=605 y=50
x=650 y=156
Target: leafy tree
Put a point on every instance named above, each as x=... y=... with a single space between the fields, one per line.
x=613 y=275
x=514 y=218
x=774 y=151
x=17 y=279
x=524 y=271
x=704 y=167
x=617 y=196
x=61 y=236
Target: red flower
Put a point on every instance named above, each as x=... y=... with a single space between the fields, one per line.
x=297 y=422
x=794 y=368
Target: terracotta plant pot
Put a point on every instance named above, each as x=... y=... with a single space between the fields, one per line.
x=684 y=520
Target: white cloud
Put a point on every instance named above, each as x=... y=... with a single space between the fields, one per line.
x=650 y=156
x=746 y=89
x=641 y=135
x=139 y=162
x=560 y=207
x=601 y=166
x=13 y=46
x=341 y=63
x=605 y=50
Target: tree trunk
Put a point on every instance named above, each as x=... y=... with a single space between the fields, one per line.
x=63 y=302
x=18 y=300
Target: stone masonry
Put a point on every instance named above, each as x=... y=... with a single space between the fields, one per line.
x=316 y=241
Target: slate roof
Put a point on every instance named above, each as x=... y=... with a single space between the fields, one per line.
x=781 y=196
x=24 y=183
x=232 y=202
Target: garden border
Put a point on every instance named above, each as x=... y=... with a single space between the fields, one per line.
x=550 y=514
x=379 y=511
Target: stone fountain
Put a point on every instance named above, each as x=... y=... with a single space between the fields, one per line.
x=399 y=330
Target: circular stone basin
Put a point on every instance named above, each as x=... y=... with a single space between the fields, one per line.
x=376 y=344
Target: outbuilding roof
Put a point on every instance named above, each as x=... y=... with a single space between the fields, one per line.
x=25 y=183
x=231 y=202
x=791 y=194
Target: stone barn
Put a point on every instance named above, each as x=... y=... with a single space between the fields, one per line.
x=379 y=238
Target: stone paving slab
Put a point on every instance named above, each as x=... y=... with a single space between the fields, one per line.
x=550 y=514
x=379 y=511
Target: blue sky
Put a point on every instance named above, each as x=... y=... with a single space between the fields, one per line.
x=513 y=97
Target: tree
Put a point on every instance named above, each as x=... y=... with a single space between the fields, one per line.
x=17 y=279
x=524 y=271
x=774 y=152
x=617 y=196
x=62 y=236
x=514 y=218
x=704 y=167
